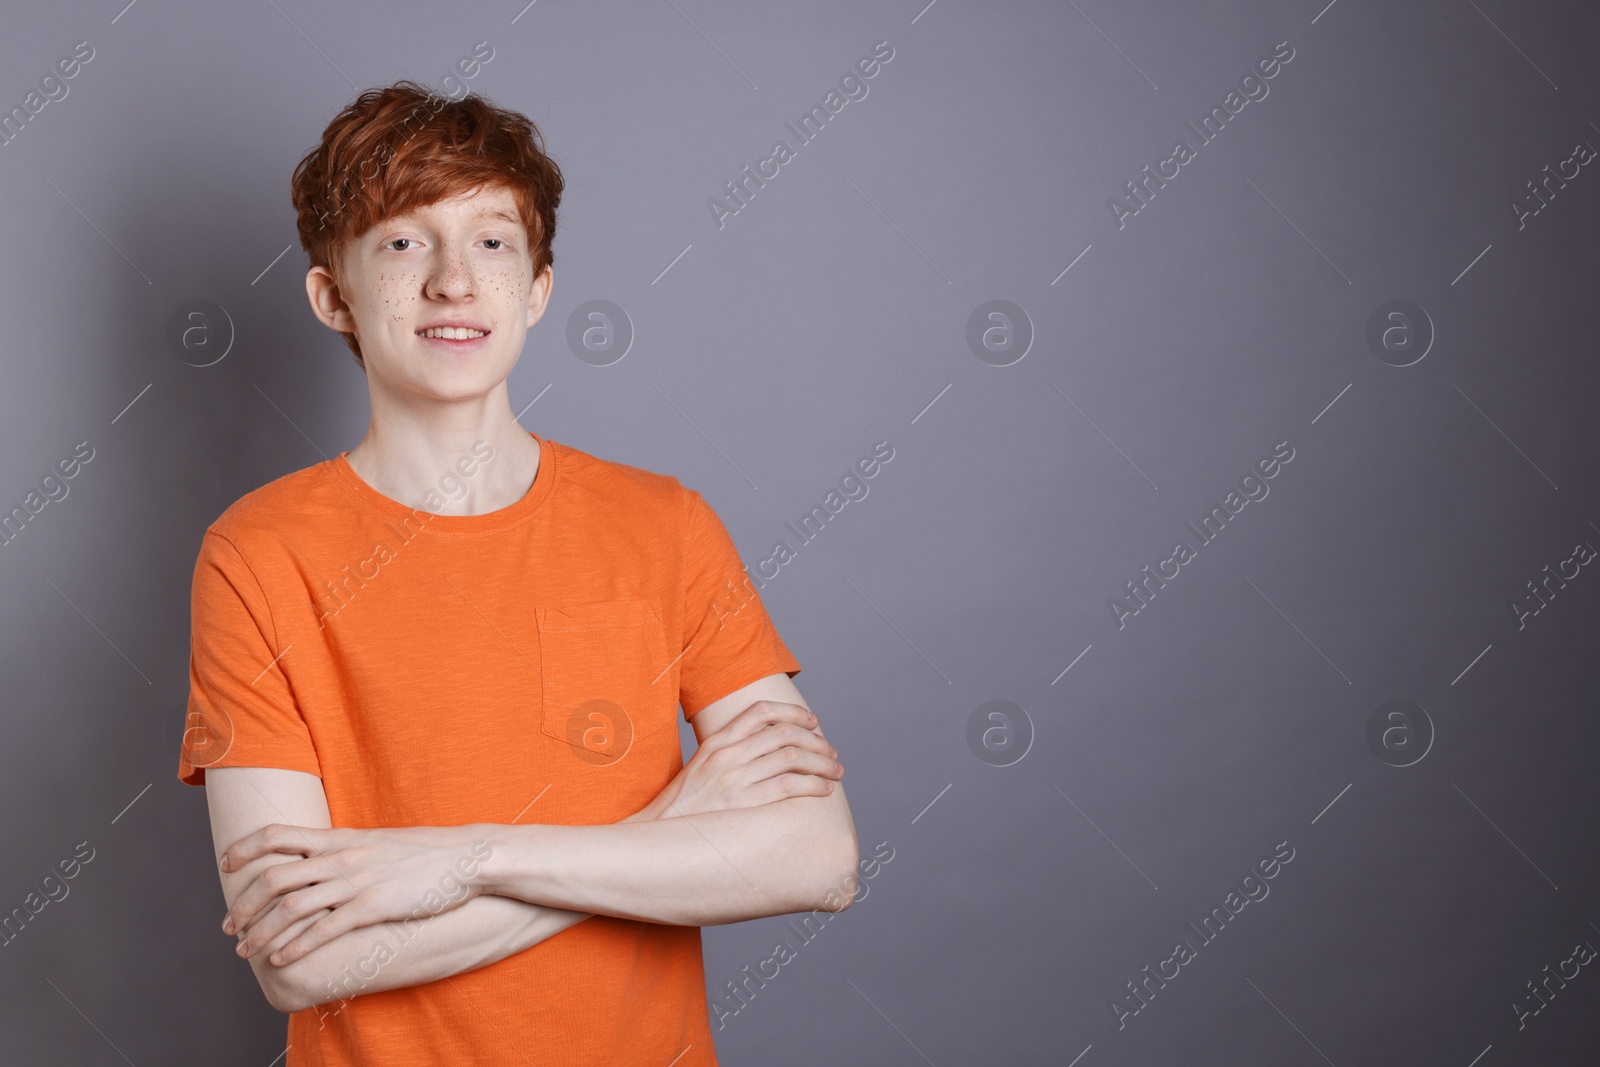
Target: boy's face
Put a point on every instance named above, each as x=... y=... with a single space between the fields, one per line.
x=462 y=263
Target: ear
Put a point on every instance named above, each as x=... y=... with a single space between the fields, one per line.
x=539 y=297
x=327 y=303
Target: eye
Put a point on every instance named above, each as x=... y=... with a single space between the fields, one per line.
x=493 y=243
x=404 y=241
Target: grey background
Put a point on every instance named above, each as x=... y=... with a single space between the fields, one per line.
x=1227 y=316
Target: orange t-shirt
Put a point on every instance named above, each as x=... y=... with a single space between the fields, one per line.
x=437 y=670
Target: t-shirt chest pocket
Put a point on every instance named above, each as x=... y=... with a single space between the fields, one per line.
x=607 y=681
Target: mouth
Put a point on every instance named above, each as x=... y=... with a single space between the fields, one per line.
x=453 y=337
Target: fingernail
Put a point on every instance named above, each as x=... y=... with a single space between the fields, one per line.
x=277 y=957
x=223 y=862
x=241 y=949
x=227 y=925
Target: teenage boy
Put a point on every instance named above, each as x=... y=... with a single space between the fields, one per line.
x=435 y=679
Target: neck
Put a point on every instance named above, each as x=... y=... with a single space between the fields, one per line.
x=472 y=455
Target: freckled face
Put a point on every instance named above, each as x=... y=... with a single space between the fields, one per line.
x=441 y=299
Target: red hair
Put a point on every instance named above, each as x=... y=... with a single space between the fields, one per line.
x=404 y=146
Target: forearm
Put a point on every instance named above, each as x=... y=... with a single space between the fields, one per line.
x=484 y=930
x=706 y=869
x=390 y=955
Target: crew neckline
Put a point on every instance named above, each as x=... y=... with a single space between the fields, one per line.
x=543 y=482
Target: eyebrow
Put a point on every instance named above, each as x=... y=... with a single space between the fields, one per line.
x=503 y=216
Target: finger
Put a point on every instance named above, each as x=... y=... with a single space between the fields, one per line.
x=272 y=882
x=287 y=910
x=259 y=895
x=294 y=930
x=349 y=916
x=243 y=945
x=273 y=837
x=764 y=713
x=754 y=720
x=793 y=761
x=780 y=735
x=774 y=739
x=785 y=786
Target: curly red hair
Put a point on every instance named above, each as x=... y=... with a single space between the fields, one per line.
x=404 y=146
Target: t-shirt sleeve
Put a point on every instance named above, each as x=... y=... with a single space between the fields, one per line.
x=242 y=711
x=728 y=638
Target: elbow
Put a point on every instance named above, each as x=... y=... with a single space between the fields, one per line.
x=835 y=900
x=837 y=875
x=841 y=891
x=283 y=996
x=283 y=988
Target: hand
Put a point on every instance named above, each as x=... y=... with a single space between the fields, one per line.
x=350 y=878
x=768 y=752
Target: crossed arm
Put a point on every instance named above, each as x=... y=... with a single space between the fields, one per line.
x=755 y=824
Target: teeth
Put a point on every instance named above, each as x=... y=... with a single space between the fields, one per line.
x=453 y=333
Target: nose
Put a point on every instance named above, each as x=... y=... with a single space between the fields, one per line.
x=451 y=276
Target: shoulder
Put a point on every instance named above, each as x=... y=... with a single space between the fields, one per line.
x=611 y=485
x=282 y=510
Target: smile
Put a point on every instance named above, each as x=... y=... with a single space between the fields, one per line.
x=452 y=333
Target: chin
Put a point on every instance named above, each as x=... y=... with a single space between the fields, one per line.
x=452 y=383
x=461 y=387
x=444 y=371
